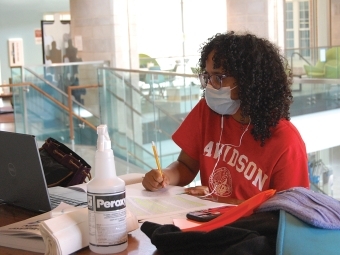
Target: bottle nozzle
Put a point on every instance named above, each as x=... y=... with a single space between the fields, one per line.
x=103 y=141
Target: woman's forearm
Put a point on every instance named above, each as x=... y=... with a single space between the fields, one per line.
x=179 y=174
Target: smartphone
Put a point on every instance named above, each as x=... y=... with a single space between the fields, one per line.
x=203 y=215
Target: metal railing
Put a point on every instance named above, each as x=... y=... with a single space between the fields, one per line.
x=137 y=117
x=68 y=108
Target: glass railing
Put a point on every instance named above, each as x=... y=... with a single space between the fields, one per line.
x=140 y=112
x=139 y=106
x=136 y=112
x=43 y=109
x=42 y=115
x=313 y=95
x=63 y=76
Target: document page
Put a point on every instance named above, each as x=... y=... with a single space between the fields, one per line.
x=165 y=204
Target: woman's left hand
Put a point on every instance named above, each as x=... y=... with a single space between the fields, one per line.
x=197 y=191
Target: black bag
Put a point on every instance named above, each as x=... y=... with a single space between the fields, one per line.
x=62 y=166
x=255 y=234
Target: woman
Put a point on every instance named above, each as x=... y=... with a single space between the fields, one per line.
x=238 y=136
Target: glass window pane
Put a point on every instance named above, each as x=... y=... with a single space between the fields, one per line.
x=289 y=19
x=305 y=43
x=290 y=39
x=298 y=38
x=304 y=14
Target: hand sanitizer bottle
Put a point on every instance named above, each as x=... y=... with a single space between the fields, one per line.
x=106 y=201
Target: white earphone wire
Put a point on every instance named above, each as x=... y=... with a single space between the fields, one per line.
x=219 y=153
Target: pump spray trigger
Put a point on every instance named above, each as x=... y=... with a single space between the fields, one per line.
x=103 y=140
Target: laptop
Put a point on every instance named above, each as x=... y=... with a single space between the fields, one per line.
x=22 y=180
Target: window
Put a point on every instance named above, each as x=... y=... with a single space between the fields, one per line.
x=289 y=28
x=62 y=16
x=304 y=36
x=297 y=27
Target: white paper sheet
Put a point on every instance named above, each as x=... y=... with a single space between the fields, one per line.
x=164 y=205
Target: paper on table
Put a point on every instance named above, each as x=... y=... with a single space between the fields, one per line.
x=164 y=205
x=137 y=189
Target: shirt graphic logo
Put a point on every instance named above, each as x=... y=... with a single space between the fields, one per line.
x=220 y=181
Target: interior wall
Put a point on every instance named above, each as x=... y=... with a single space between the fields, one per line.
x=335 y=22
x=322 y=23
x=21 y=22
x=263 y=18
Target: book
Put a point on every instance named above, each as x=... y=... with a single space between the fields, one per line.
x=26 y=235
x=69 y=233
x=63 y=230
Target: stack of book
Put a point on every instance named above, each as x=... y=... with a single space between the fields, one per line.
x=63 y=230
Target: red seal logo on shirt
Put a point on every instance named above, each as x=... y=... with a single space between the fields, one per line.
x=220 y=182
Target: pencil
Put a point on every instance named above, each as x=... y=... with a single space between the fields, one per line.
x=156 y=157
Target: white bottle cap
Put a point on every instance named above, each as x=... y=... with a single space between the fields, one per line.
x=103 y=141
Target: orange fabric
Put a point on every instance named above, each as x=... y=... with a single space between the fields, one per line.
x=244 y=209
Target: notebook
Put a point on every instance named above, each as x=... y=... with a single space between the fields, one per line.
x=22 y=180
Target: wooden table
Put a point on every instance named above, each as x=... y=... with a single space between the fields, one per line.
x=138 y=242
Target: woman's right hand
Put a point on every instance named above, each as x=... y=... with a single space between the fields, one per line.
x=154 y=180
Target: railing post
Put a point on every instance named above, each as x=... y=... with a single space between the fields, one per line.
x=70 y=111
x=24 y=91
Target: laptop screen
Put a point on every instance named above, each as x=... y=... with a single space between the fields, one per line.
x=22 y=180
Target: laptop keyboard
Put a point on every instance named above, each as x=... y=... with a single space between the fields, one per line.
x=56 y=200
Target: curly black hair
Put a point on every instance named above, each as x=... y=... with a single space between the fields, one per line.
x=262 y=75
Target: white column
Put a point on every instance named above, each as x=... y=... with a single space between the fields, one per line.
x=107 y=29
x=265 y=18
x=335 y=22
x=323 y=23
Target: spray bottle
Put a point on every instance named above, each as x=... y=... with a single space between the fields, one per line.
x=106 y=201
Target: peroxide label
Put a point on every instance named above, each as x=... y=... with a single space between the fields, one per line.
x=106 y=202
x=107 y=219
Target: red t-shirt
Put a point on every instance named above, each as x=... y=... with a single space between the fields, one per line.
x=242 y=171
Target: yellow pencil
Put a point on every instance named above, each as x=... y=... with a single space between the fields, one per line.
x=156 y=157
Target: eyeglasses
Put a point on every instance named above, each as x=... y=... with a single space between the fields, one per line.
x=214 y=79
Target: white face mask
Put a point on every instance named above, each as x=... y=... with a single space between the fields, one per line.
x=220 y=101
